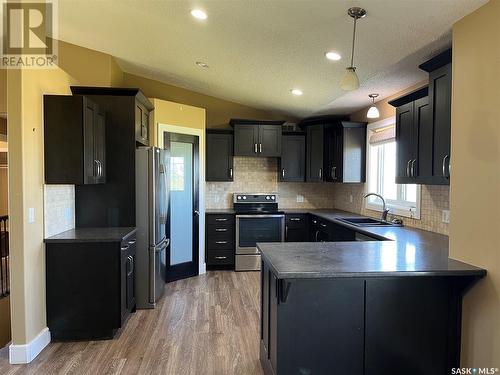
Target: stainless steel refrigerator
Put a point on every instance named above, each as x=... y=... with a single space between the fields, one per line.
x=152 y=222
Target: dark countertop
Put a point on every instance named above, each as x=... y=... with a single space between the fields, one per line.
x=406 y=251
x=111 y=234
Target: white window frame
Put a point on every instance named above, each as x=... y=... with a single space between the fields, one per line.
x=394 y=209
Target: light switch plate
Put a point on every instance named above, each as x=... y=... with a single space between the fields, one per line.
x=446 y=216
x=300 y=198
x=31 y=215
x=351 y=199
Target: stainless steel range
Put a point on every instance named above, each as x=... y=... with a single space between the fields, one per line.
x=257 y=220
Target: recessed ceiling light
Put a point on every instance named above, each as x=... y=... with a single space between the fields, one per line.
x=296 y=92
x=198 y=13
x=201 y=64
x=332 y=55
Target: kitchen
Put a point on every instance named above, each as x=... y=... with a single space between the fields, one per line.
x=197 y=234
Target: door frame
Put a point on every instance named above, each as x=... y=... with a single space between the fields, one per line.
x=200 y=133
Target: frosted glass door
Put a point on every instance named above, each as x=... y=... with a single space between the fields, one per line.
x=181 y=202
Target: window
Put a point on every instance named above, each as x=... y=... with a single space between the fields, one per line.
x=401 y=200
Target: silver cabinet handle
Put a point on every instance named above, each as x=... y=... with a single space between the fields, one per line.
x=444 y=166
x=220 y=242
x=124 y=247
x=231 y=172
x=333 y=173
x=221 y=219
x=220 y=257
x=96 y=168
x=412 y=172
x=286 y=232
x=100 y=168
x=323 y=225
x=294 y=219
x=408 y=168
x=131 y=242
x=283 y=172
x=320 y=173
x=260 y=147
x=131 y=259
x=220 y=229
x=255 y=147
x=316 y=237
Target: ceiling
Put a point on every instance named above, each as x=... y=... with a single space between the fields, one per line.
x=258 y=50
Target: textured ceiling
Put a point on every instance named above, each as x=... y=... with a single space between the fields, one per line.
x=258 y=50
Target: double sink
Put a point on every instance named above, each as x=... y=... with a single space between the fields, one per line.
x=368 y=222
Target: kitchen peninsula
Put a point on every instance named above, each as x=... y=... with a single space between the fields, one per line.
x=374 y=307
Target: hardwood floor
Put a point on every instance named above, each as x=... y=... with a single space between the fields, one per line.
x=207 y=324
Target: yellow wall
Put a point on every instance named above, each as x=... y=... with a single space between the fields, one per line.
x=475 y=181
x=218 y=111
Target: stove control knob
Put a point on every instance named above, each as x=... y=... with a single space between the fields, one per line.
x=272 y=197
x=244 y=197
x=239 y=197
x=268 y=197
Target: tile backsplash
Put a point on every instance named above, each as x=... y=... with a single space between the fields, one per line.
x=59 y=208
x=253 y=174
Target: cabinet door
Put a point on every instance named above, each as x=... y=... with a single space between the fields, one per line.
x=100 y=146
x=440 y=102
x=421 y=170
x=130 y=275
x=405 y=148
x=90 y=162
x=219 y=157
x=141 y=124
x=314 y=155
x=246 y=139
x=270 y=140
x=333 y=154
x=293 y=155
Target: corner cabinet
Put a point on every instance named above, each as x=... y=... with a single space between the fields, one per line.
x=257 y=138
x=219 y=164
x=292 y=164
x=74 y=140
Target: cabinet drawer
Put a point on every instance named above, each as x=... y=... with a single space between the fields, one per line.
x=220 y=220
x=295 y=220
x=220 y=242
x=220 y=257
x=220 y=231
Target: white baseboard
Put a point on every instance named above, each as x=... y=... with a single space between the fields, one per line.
x=19 y=354
x=202 y=268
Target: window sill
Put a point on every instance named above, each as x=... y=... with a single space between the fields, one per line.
x=395 y=210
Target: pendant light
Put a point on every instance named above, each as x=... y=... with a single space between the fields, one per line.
x=373 y=110
x=350 y=80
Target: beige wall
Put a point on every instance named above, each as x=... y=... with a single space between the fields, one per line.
x=218 y=111
x=475 y=181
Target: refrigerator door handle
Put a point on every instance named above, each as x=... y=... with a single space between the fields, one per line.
x=152 y=282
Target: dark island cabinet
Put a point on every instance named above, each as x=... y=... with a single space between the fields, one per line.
x=296 y=228
x=257 y=138
x=293 y=157
x=345 y=152
x=314 y=156
x=90 y=287
x=219 y=155
x=300 y=335
x=74 y=140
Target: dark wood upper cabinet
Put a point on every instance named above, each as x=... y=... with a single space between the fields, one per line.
x=141 y=124
x=293 y=157
x=314 y=153
x=345 y=152
x=74 y=140
x=219 y=155
x=423 y=127
x=257 y=138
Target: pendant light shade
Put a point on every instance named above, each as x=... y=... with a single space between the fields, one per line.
x=373 y=111
x=350 y=80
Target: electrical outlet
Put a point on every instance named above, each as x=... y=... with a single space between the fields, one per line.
x=446 y=216
x=31 y=215
x=300 y=198
x=351 y=199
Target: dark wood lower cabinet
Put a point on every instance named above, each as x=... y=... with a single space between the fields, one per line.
x=220 y=241
x=90 y=288
x=361 y=325
x=296 y=228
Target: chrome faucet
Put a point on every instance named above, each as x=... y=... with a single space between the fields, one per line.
x=385 y=211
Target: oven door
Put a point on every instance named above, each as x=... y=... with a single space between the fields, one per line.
x=251 y=229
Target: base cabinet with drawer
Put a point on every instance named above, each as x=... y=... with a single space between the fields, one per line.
x=296 y=228
x=220 y=241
